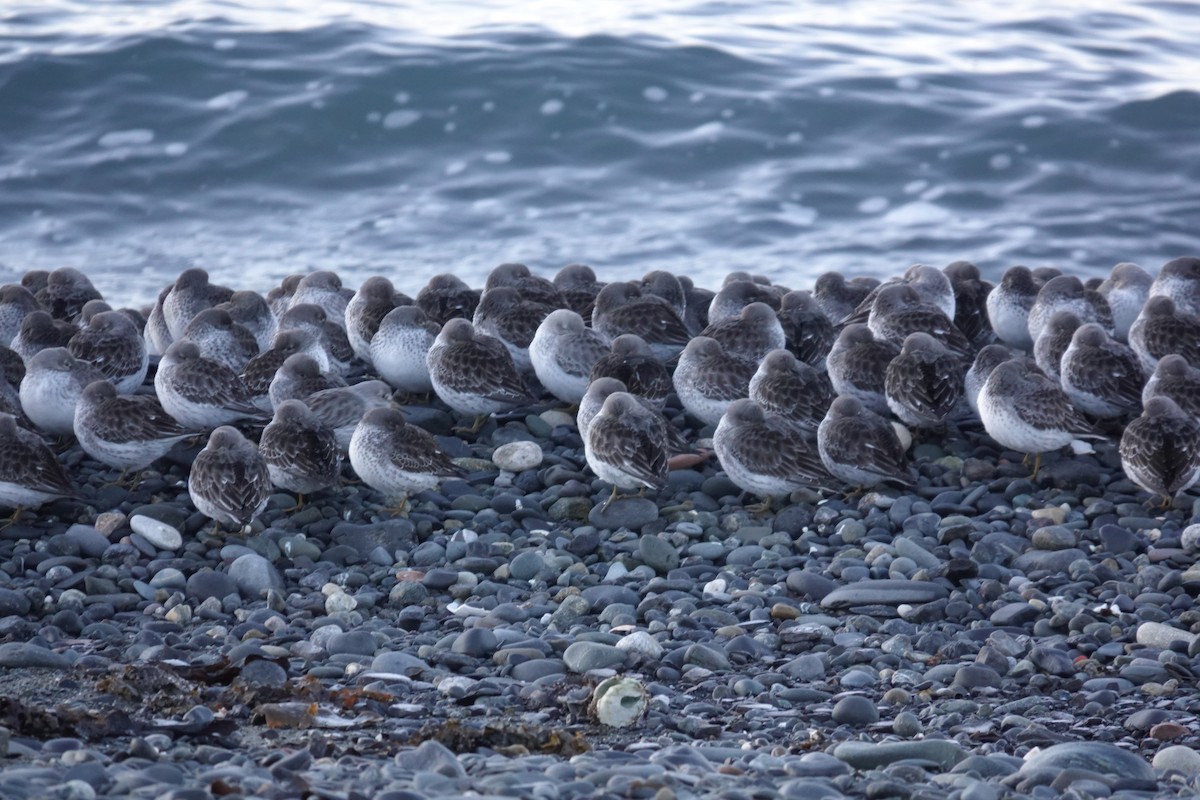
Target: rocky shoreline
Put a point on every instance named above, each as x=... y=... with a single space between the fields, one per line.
x=896 y=644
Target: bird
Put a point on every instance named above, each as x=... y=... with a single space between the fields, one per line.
x=446 y=297
x=66 y=292
x=156 y=333
x=298 y=377
x=924 y=383
x=1025 y=411
x=400 y=349
x=699 y=300
x=898 y=311
x=301 y=452
x=1054 y=340
x=1126 y=289
x=39 y=331
x=250 y=310
x=114 y=345
x=395 y=458
x=626 y=446
x=531 y=288
x=512 y=319
x=791 y=388
x=987 y=359
x=861 y=448
x=735 y=295
x=54 y=380
x=375 y=298
x=1175 y=378
x=808 y=333
x=1161 y=329
x=623 y=307
x=323 y=289
x=578 y=286
x=837 y=297
x=932 y=287
x=664 y=285
x=750 y=335
x=593 y=400
x=1160 y=450
x=125 y=431
x=1067 y=293
x=631 y=361
x=201 y=393
x=342 y=407
x=474 y=374
x=1008 y=306
x=229 y=482
x=970 y=302
x=16 y=303
x=1101 y=376
x=312 y=319
x=707 y=379
x=279 y=299
x=765 y=454
x=190 y=294
x=221 y=339
x=857 y=366
x=30 y=475
x=1179 y=280
x=260 y=370
x=563 y=352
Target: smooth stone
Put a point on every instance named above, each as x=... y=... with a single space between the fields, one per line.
x=1098 y=757
x=809 y=584
x=976 y=676
x=537 y=668
x=604 y=596
x=476 y=642
x=658 y=553
x=1053 y=537
x=254 y=575
x=632 y=513
x=431 y=756
x=585 y=656
x=907 y=724
x=518 y=456
x=870 y=755
x=1157 y=634
x=887 y=592
x=397 y=662
x=641 y=643
x=1178 y=757
x=159 y=534
x=13 y=603
x=357 y=642
x=209 y=583
x=526 y=565
x=855 y=710
x=91 y=542
x=23 y=654
x=1048 y=560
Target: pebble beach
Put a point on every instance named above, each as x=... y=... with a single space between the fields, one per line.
x=980 y=635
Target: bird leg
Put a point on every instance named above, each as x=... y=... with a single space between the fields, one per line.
x=16 y=515
x=480 y=421
x=611 y=497
x=1037 y=465
x=761 y=508
x=401 y=507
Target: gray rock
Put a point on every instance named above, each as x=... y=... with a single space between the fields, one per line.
x=1177 y=757
x=391 y=535
x=870 y=755
x=855 y=710
x=1157 y=634
x=517 y=456
x=809 y=584
x=907 y=724
x=158 y=533
x=605 y=595
x=1047 y=560
x=1054 y=537
x=208 y=583
x=886 y=592
x=398 y=663
x=525 y=565
x=626 y=512
x=584 y=656
x=254 y=575
x=976 y=676
x=476 y=642
x=1099 y=757
x=13 y=603
x=431 y=756
x=357 y=642
x=22 y=654
x=658 y=553
x=91 y=542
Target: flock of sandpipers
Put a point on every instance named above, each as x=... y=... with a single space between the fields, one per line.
x=806 y=388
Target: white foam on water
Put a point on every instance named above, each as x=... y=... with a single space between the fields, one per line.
x=498 y=157
x=1000 y=161
x=225 y=44
x=129 y=138
x=228 y=100
x=552 y=107
x=874 y=205
x=918 y=213
x=913 y=187
x=400 y=119
x=455 y=167
x=176 y=149
x=655 y=94
x=1033 y=121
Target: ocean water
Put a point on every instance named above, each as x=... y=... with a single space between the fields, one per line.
x=257 y=139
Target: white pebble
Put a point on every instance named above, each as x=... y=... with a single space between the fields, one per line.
x=517 y=456
x=340 y=603
x=159 y=534
x=642 y=643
